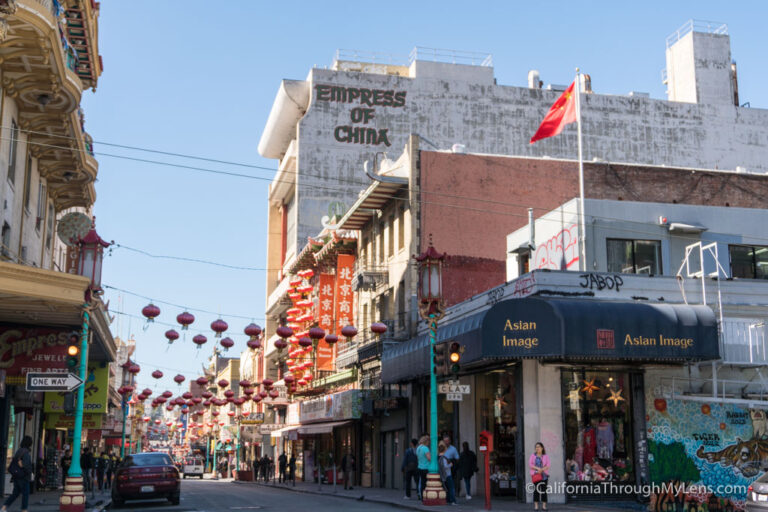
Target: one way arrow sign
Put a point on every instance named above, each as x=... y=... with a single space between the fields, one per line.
x=52 y=381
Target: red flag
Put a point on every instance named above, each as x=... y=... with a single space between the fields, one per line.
x=562 y=113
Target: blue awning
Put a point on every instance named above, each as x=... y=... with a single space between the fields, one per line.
x=567 y=330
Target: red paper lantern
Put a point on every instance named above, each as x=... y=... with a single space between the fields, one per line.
x=229 y=393
x=219 y=326
x=141 y=397
x=274 y=393
x=207 y=403
x=172 y=335
x=378 y=328
x=150 y=311
x=187 y=395
x=157 y=374
x=215 y=413
x=294 y=282
x=227 y=343
x=253 y=344
x=257 y=399
x=280 y=344
x=284 y=331
x=244 y=383
x=302 y=382
x=263 y=394
x=288 y=378
x=185 y=319
x=169 y=407
x=305 y=341
x=249 y=391
x=157 y=422
x=231 y=414
x=134 y=369
x=206 y=394
x=146 y=419
x=252 y=330
x=239 y=401
x=146 y=392
x=267 y=382
x=199 y=340
x=330 y=339
x=202 y=381
x=349 y=331
x=223 y=383
x=167 y=394
x=196 y=400
x=179 y=379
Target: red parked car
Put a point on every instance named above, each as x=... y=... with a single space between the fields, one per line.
x=144 y=476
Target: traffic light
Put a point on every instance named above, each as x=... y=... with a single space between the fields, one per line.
x=454 y=356
x=73 y=355
x=441 y=359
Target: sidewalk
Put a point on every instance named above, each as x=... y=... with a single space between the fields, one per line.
x=396 y=498
x=49 y=501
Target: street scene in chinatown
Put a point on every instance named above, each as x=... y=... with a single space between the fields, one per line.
x=366 y=257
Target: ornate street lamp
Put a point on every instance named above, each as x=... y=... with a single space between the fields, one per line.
x=431 y=309
x=90 y=257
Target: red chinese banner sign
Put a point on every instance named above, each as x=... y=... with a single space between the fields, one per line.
x=325 y=291
x=344 y=296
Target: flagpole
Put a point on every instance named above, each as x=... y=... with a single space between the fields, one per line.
x=582 y=216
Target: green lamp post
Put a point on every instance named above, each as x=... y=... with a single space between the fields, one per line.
x=431 y=309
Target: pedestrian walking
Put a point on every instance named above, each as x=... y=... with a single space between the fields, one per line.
x=452 y=455
x=424 y=457
x=21 y=474
x=101 y=470
x=348 y=468
x=444 y=466
x=539 y=464
x=410 y=468
x=292 y=469
x=110 y=470
x=66 y=462
x=86 y=464
x=282 y=462
x=467 y=468
x=256 y=464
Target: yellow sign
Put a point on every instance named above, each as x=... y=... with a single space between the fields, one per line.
x=96 y=389
x=60 y=421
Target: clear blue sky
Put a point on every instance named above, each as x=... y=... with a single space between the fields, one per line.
x=199 y=78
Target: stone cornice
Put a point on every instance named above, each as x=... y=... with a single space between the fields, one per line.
x=27 y=281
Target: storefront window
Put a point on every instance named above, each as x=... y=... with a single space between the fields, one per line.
x=498 y=415
x=598 y=428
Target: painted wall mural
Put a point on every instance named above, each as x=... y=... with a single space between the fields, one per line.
x=718 y=449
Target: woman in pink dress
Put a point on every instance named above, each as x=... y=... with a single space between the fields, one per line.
x=539 y=464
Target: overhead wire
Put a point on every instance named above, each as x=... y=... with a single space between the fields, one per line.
x=183 y=308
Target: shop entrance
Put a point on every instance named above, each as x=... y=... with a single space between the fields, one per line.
x=395 y=445
x=598 y=429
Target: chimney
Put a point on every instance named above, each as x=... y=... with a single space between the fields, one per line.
x=533 y=79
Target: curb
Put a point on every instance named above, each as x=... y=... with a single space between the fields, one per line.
x=342 y=496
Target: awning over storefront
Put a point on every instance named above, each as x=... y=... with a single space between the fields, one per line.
x=568 y=330
x=321 y=428
x=279 y=433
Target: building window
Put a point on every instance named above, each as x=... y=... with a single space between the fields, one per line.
x=49 y=228
x=381 y=242
x=749 y=261
x=5 y=250
x=391 y=237
x=12 y=151
x=41 y=200
x=290 y=225
x=28 y=183
x=634 y=256
x=401 y=228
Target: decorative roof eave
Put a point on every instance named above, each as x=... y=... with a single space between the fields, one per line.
x=340 y=243
x=306 y=258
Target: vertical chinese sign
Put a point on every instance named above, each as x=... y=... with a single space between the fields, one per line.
x=325 y=321
x=344 y=297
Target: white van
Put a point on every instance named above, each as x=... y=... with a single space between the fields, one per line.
x=193 y=466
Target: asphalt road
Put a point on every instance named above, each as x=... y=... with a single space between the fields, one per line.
x=212 y=495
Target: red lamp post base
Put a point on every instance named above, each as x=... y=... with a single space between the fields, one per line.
x=434 y=494
x=73 y=497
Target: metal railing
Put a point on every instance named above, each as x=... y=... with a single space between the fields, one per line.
x=704 y=27
x=451 y=56
x=418 y=53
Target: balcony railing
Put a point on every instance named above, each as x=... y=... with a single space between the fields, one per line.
x=369 y=277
